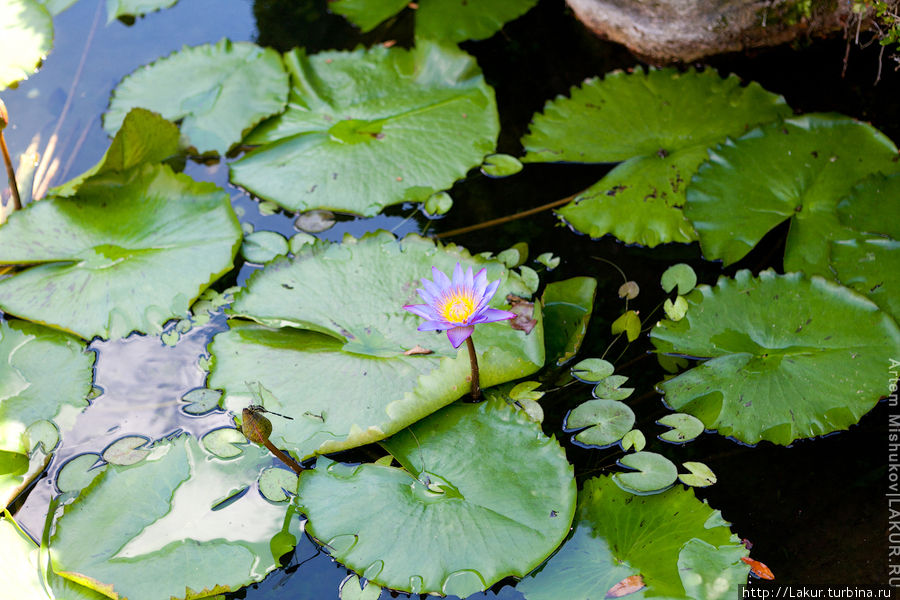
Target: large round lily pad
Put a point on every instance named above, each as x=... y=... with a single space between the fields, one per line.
x=869 y=261
x=128 y=252
x=371 y=128
x=182 y=519
x=659 y=122
x=223 y=90
x=337 y=352
x=796 y=171
x=449 y=20
x=482 y=494
x=667 y=538
x=26 y=37
x=785 y=357
x=45 y=376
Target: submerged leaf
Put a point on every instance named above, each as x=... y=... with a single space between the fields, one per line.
x=567 y=307
x=371 y=128
x=473 y=522
x=784 y=357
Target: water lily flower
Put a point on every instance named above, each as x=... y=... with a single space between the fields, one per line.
x=457 y=305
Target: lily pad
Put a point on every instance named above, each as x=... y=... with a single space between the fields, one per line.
x=699 y=475
x=785 y=357
x=592 y=370
x=608 y=421
x=798 y=171
x=473 y=522
x=449 y=20
x=26 y=37
x=685 y=427
x=104 y=258
x=116 y=9
x=224 y=89
x=183 y=518
x=681 y=276
x=654 y=472
x=661 y=123
x=262 y=246
x=370 y=128
x=567 y=306
x=45 y=377
x=618 y=534
x=869 y=261
x=360 y=382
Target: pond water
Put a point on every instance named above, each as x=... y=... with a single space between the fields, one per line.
x=815 y=512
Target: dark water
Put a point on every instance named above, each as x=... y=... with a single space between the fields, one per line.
x=816 y=512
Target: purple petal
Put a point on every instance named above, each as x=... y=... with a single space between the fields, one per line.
x=434 y=326
x=426 y=296
x=488 y=295
x=423 y=310
x=431 y=288
x=439 y=278
x=492 y=314
x=480 y=283
x=457 y=275
x=470 y=284
x=458 y=335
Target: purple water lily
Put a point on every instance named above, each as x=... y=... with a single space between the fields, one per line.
x=457 y=305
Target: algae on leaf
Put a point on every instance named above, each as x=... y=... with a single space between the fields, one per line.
x=128 y=252
x=797 y=170
x=659 y=122
x=784 y=357
x=342 y=370
x=370 y=128
x=482 y=494
x=182 y=518
x=224 y=89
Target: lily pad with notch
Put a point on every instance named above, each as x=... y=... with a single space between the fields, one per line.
x=618 y=535
x=474 y=522
x=783 y=357
x=567 y=307
x=193 y=524
x=361 y=383
x=661 y=123
x=96 y=260
x=351 y=139
x=654 y=473
x=607 y=422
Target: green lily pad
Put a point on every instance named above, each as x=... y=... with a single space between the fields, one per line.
x=359 y=385
x=144 y=137
x=352 y=589
x=21 y=569
x=78 y=472
x=104 y=258
x=798 y=171
x=182 y=518
x=608 y=421
x=224 y=89
x=26 y=37
x=473 y=523
x=654 y=472
x=116 y=9
x=449 y=20
x=634 y=439
x=659 y=122
x=685 y=427
x=592 y=370
x=438 y=204
x=262 y=246
x=710 y=572
x=610 y=388
x=370 y=128
x=500 y=165
x=275 y=482
x=675 y=310
x=45 y=377
x=869 y=261
x=628 y=323
x=618 y=534
x=784 y=357
x=681 y=276
x=567 y=306
x=201 y=401
x=127 y=450
x=699 y=475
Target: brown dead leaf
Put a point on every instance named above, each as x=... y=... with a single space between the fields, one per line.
x=629 y=585
x=759 y=569
x=418 y=350
x=524 y=311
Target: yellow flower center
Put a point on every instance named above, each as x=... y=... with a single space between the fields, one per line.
x=457 y=306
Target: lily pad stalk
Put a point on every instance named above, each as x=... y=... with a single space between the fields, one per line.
x=10 y=172
x=456 y=306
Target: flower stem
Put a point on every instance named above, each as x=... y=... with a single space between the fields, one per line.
x=282 y=456
x=473 y=359
x=10 y=174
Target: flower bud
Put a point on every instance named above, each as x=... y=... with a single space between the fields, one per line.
x=255 y=427
x=4 y=116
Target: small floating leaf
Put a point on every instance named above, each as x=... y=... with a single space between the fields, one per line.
x=610 y=388
x=629 y=290
x=758 y=337
x=224 y=89
x=759 y=569
x=226 y=442
x=526 y=391
x=438 y=204
x=628 y=323
x=675 y=311
x=262 y=246
x=634 y=439
x=685 y=427
x=352 y=589
x=298 y=240
x=500 y=165
x=78 y=472
x=609 y=421
x=530 y=278
x=548 y=260
x=126 y=451
x=655 y=472
x=274 y=482
x=680 y=275
x=700 y=475
x=711 y=572
x=315 y=221
x=592 y=370
x=514 y=256
x=201 y=401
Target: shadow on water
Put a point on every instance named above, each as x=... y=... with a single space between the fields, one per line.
x=815 y=512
